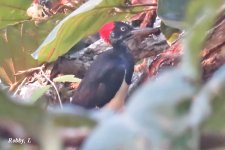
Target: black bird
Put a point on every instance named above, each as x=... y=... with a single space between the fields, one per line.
x=108 y=78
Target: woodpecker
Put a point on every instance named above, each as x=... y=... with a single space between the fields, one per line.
x=107 y=80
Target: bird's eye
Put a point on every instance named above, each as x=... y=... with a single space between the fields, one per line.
x=123 y=28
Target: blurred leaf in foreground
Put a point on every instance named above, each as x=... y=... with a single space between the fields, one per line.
x=40 y=124
x=158 y=115
x=173 y=12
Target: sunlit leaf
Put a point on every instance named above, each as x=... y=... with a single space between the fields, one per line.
x=67 y=78
x=170 y=33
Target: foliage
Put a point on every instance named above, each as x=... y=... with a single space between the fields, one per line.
x=17 y=42
x=30 y=34
x=166 y=113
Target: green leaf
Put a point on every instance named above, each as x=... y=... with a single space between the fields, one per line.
x=216 y=121
x=17 y=42
x=13 y=11
x=37 y=93
x=84 y=21
x=173 y=12
x=170 y=33
x=67 y=78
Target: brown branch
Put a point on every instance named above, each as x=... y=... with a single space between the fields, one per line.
x=29 y=71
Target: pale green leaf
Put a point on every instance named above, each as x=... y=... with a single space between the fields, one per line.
x=66 y=78
x=37 y=93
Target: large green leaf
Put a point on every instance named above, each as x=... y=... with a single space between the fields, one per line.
x=82 y=22
x=17 y=42
x=13 y=11
x=173 y=12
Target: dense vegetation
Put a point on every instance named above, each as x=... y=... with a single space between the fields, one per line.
x=181 y=107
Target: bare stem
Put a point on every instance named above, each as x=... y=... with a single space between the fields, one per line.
x=52 y=83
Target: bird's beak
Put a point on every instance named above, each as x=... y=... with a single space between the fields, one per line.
x=144 y=32
x=138 y=33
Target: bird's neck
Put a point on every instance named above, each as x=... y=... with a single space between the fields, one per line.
x=120 y=47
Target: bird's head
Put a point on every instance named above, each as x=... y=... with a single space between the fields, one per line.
x=115 y=32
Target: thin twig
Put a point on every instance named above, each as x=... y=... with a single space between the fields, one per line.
x=136 y=12
x=42 y=72
x=20 y=86
x=130 y=6
x=29 y=70
x=142 y=5
x=52 y=83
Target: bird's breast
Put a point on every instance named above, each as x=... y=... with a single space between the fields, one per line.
x=118 y=100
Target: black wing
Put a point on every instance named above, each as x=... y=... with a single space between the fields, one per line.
x=101 y=82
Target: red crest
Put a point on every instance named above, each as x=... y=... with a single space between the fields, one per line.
x=106 y=30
